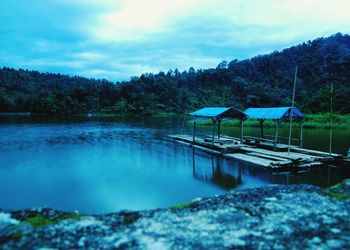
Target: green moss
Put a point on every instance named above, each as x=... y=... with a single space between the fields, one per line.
x=338 y=196
x=181 y=206
x=68 y=216
x=38 y=221
x=338 y=185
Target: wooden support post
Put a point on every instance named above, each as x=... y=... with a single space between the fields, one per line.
x=301 y=133
x=276 y=134
x=261 y=121
x=241 y=134
x=219 y=128
x=213 y=131
x=194 y=132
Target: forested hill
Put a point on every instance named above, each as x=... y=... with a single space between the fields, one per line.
x=264 y=80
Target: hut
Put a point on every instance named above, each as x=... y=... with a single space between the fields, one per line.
x=277 y=114
x=217 y=115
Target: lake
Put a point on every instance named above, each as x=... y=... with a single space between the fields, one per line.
x=100 y=165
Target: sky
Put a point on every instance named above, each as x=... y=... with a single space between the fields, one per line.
x=119 y=39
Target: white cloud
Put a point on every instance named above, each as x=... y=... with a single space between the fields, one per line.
x=90 y=56
x=133 y=19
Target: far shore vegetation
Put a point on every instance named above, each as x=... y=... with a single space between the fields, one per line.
x=311 y=121
x=322 y=120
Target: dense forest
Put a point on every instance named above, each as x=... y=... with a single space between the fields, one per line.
x=265 y=80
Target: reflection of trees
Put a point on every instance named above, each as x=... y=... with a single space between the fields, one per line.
x=217 y=172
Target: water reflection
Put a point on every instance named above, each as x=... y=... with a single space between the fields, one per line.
x=227 y=174
x=324 y=176
x=217 y=173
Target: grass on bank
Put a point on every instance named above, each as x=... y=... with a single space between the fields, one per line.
x=311 y=121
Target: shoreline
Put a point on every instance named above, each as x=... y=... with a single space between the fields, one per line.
x=320 y=120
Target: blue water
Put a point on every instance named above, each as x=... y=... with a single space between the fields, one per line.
x=104 y=165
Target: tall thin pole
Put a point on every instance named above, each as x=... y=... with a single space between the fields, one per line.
x=183 y=123
x=331 y=122
x=291 y=112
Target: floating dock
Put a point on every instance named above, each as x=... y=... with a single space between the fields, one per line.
x=262 y=153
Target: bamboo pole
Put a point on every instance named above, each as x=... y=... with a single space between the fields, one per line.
x=291 y=111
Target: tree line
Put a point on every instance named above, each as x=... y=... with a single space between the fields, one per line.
x=262 y=81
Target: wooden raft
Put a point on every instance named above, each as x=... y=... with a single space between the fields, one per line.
x=232 y=148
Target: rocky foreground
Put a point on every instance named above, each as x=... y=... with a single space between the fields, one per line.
x=274 y=217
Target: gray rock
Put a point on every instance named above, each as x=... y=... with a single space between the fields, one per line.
x=273 y=217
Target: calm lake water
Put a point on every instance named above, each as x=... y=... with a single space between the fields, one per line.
x=99 y=165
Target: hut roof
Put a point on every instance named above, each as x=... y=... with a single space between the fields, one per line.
x=219 y=113
x=273 y=113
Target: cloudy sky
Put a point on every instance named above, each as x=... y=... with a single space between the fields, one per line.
x=117 y=39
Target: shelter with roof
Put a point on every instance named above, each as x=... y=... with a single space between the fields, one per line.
x=217 y=115
x=277 y=114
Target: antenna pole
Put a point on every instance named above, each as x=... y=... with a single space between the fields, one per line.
x=291 y=111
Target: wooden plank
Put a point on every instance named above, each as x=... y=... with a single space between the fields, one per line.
x=251 y=159
x=315 y=152
x=310 y=164
x=291 y=156
x=269 y=157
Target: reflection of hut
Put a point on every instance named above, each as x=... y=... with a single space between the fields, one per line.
x=211 y=169
x=217 y=115
x=277 y=114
